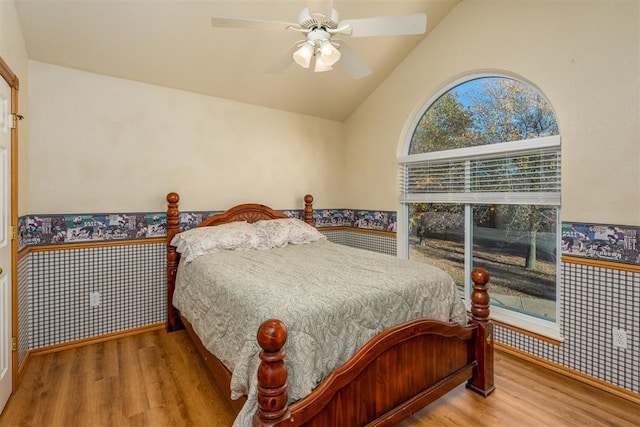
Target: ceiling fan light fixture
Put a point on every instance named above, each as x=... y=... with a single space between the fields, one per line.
x=319 y=22
x=321 y=65
x=303 y=55
x=329 y=53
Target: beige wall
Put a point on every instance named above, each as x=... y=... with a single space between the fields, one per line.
x=14 y=53
x=584 y=56
x=101 y=144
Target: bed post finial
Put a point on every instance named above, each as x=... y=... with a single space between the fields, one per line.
x=308 y=209
x=482 y=380
x=480 y=297
x=272 y=375
x=173 y=225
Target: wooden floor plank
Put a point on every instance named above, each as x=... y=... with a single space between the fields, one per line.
x=157 y=379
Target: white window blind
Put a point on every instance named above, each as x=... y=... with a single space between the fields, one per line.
x=517 y=175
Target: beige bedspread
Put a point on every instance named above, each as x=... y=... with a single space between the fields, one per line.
x=332 y=298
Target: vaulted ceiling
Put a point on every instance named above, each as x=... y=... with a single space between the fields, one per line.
x=172 y=43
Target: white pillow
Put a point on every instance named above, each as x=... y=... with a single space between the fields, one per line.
x=300 y=232
x=276 y=233
x=198 y=241
x=273 y=233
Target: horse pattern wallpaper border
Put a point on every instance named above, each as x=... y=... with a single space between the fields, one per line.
x=38 y=230
x=609 y=242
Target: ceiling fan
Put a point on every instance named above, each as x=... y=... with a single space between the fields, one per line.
x=320 y=22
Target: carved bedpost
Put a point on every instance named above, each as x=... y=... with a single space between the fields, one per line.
x=173 y=223
x=482 y=381
x=272 y=375
x=308 y=209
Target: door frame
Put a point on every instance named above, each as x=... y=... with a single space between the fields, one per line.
x=12 y=80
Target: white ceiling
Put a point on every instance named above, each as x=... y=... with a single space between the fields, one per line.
x=172 y=43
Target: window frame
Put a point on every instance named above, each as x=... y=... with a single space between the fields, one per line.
x=547 y=328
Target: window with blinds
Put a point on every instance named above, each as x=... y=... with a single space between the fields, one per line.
x=517 y=174
x=480 y=185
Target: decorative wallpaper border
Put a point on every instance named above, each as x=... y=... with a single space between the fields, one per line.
x=617 y=243
x=37 y=230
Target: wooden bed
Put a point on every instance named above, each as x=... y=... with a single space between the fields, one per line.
x=397 y=373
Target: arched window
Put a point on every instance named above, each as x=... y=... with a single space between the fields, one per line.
x=480 y=187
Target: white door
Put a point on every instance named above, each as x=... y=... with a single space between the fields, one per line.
x=5 y=244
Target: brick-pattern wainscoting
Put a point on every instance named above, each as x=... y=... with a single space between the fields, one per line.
x=24 y=308
x=594 y=301
x=383 y=243
x=129 y=278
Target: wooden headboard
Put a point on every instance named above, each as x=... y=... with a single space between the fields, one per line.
x=250 y=212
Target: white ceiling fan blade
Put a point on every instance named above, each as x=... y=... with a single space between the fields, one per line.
x=387 y=25
x=323 y=7
x=350 y=61
x=253 y=24
x=281 y=64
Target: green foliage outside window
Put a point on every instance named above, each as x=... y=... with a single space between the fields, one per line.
x=483 y=111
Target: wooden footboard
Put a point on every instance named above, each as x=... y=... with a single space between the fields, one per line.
x=394 y=375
